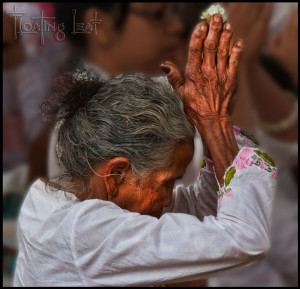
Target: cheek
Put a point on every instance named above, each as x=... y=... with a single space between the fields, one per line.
x=151 y=200
x=160 y=197
x=129 y=198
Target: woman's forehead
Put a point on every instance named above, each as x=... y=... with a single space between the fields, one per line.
x=181 y=157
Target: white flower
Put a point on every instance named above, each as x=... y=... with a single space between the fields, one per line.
x=214 y=9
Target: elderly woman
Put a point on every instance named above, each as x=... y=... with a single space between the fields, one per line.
x=115 y=219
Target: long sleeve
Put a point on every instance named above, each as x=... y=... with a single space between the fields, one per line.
x=200 y=199
x=120 y=248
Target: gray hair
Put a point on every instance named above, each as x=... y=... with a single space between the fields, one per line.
x=133 y=116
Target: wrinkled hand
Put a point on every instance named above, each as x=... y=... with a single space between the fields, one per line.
x=285 y=48
x=250 y=22
x=210 y=78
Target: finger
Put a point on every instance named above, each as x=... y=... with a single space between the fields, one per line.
x=211 y=42
x=196 y=47
x=223 y=50
x=174 y=75
x=234 y=59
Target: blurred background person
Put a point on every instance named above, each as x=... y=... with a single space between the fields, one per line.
x=130 y=37
x=267 y=106
x=28 y=70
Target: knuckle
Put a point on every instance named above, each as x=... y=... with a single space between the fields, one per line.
x=195 y=50
x=216 y=26
x=208 y=72
x=226 y=35
x=200 y=34
x=234 y=63
x=210 y=44
x=222 y=52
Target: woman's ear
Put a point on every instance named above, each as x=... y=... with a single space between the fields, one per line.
x=115 y=171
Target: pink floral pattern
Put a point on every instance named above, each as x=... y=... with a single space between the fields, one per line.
x=273 y=173
x=247 y=157
x=220 y=198
x=209 y=164
x=262 y=166
x=236 y=131
x=243 y=159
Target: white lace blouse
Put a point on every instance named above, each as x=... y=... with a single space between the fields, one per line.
x=207 y=229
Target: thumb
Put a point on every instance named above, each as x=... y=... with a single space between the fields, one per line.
x=174 y=75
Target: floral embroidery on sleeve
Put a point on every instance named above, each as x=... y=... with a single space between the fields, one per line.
x=206 y=164
x=246 y=157
x=244 y=138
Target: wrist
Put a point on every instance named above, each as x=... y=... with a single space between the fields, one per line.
x=208 y=125
x=221 y=143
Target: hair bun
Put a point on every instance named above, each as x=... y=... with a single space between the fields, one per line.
x=71 y=91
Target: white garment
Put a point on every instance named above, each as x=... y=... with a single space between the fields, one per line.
x=96 y=243
x=280 y=267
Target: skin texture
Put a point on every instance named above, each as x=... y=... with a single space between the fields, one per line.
x=151 y=194
x=209 y=73
x=141 y=45
x=207 y=86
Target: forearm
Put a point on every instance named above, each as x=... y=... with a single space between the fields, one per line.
x=272 y=104
x=221 y=144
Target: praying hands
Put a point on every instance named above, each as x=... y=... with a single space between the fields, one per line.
x=207 y=86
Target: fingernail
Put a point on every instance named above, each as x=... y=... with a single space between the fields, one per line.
x=165 y=69
x=228 y=26
x=203 y=27
x=240 y=43
x=217 y=18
